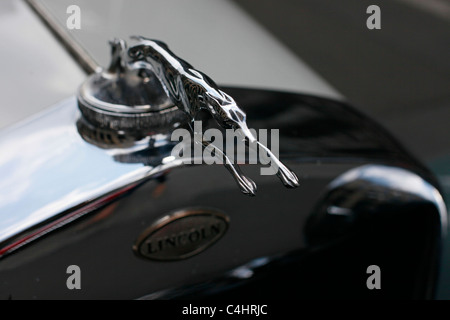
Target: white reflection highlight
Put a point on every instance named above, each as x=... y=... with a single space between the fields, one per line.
x=46 y=168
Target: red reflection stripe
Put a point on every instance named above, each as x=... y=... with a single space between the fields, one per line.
x=63 y=221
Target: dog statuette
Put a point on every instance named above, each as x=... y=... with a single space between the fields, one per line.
x=192 y=91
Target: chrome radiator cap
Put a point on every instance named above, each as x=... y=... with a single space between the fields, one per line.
x=126 y=97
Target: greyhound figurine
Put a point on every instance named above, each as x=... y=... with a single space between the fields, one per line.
x=192 y=91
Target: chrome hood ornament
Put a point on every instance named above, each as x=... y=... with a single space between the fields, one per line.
x=147 y=88
x=97 y=180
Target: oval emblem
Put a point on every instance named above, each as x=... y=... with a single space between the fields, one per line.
x=181 y=235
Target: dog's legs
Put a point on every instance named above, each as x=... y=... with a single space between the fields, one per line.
x=286 y=175
x=246 y=185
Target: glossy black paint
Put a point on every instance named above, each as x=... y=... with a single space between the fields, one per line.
x=283 y=243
